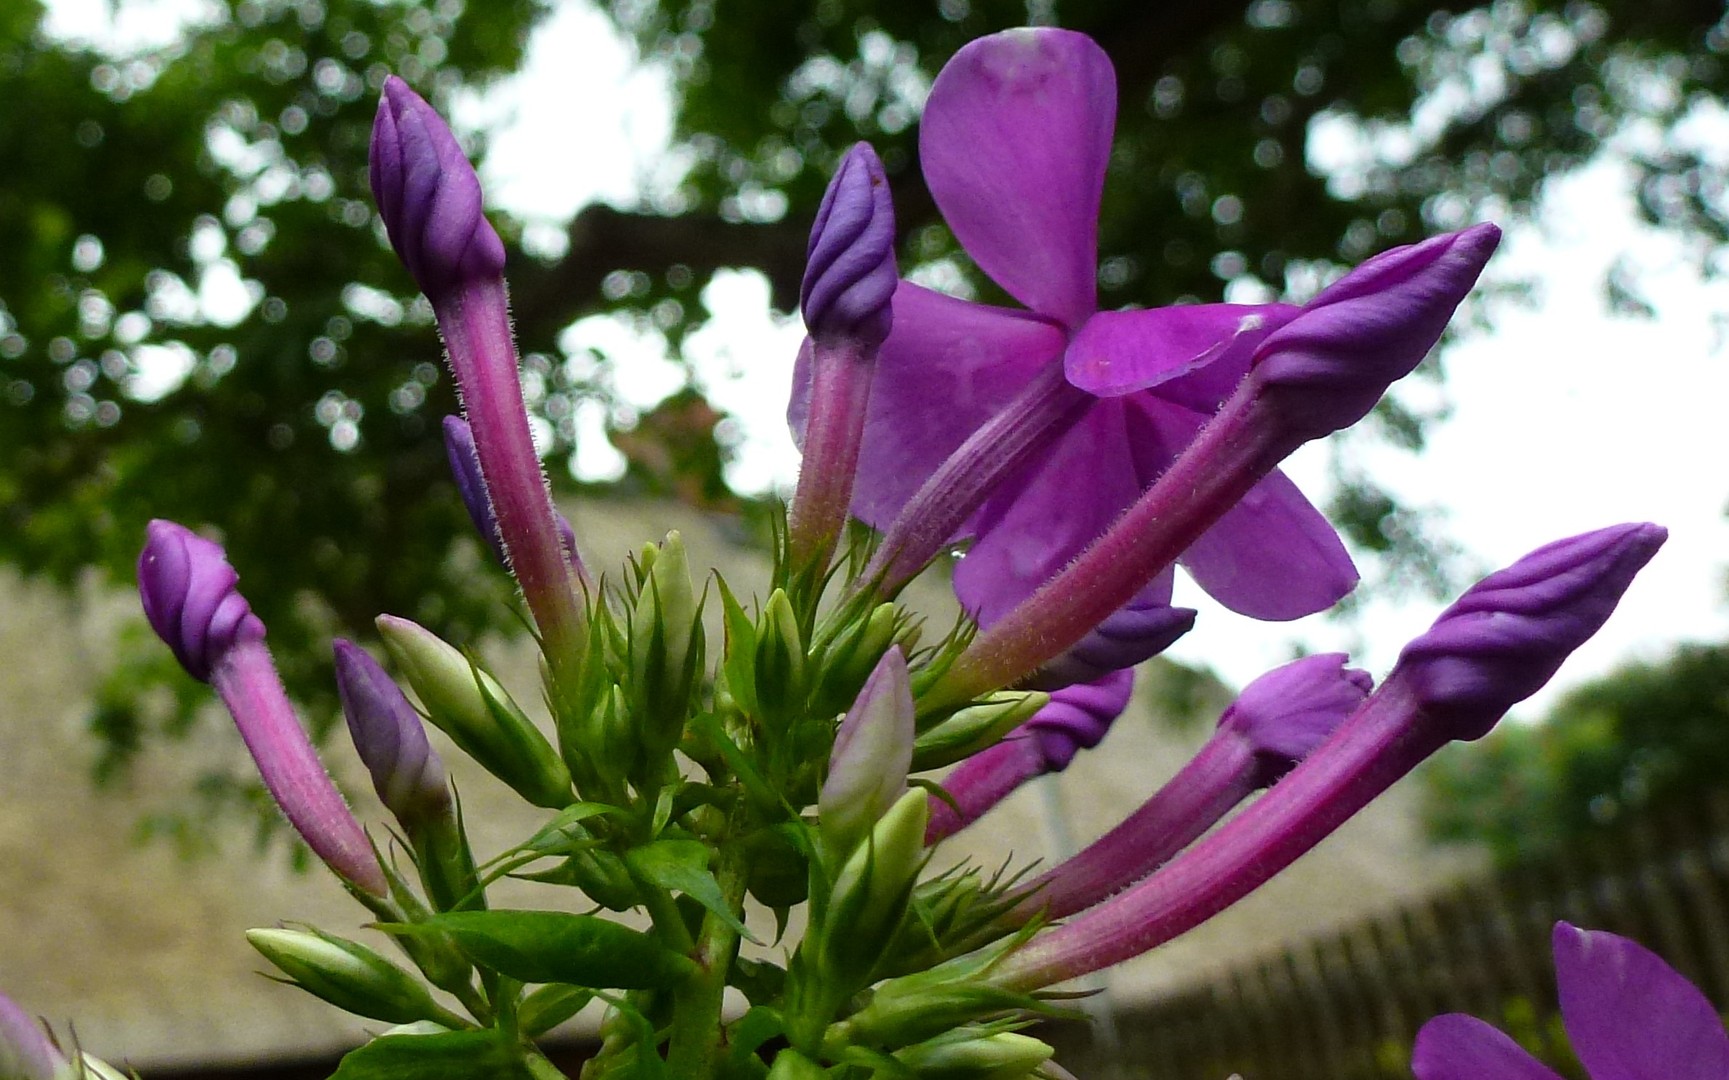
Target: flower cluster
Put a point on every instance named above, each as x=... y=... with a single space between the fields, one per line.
x=1080 y=456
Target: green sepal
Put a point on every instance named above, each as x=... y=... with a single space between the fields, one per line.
x=601 y=875
x=550 y=1006
x=781 y=681
x=975 y=728
x=559 y=947
x=451 y=1055
x=683 y=866
x=739 y=664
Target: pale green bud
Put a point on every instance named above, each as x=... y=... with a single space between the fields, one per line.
x=472 y=708
x=853 y=654
x=870 y=893
x=976 y=727
x=347 y=974
x=781 y=679
x=872 y=752
x=97 y=1069
x=665 y=646
x=1006 y=1055
x=789 y=1064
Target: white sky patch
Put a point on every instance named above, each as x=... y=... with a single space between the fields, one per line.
x=743 y=358
x=126 y=27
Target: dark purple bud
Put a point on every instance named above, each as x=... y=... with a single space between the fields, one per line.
x=189 y=597
x=1286 y=713
x=465 y=470
x=1131 y=635
x=429 y=196
x=1077 y=717
x=406 y=771
x=1326 y=369
x=850 y=273
x=1502 y=640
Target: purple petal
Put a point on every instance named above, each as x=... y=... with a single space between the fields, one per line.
x=1119 y=352
x=946 y=368
x=188 y=592
x=1328 y=367
x=1287 y=712
x=1044 y=518
x=1630 y=1015
x=1272 y=556
x=1460 y=1047
x=850 y=274
x=428 y=195
x=1502 y=640
x=465 y=470
x=1077 y=717
x=1014 y=142
x=1137 y=632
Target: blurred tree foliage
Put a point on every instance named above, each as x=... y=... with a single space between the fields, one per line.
x=301 y=423
x=1644 y=736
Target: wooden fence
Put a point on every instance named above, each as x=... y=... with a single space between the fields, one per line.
x=1348 y=1006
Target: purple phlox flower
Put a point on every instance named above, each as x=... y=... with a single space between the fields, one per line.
x=1491 y=649
x=850 y=274
x=388 y=735
x=1075 y=718
x=429 y=196
x=849 y=279
x=26 y=1051
x=1630 y=1016
x=189 y=595
x=465 y=470
x=1129 y=636
x=1014 y=143
x=1273 y=724
x=187 y=588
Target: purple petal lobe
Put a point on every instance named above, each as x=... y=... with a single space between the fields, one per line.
x=1043 y=518
x=946 y=368
x=465 y=470
x=1508 y=634
x=1285 y=714
x=1138 y=631
x=187 y=588
x=850 y=274
x=1118 y=352
x=389 y=737
x=1328 y=367
x=1631 y=1016
x=1077 y=717
x=429 y=196
x=1460 y=1047
x=1272 y=556
x=1014 y=143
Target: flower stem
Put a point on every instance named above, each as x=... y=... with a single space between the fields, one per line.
x=696 y=1026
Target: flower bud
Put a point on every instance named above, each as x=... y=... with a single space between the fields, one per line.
x=851 y=657
x=962 y=1055
x=190 y=599
x=473 y=709
x=406 y=771
x=872 y=752
x=1130 y=636
x=850 y=273
x=428 y=195
x=976 y=728
x=26 y=1051
x=665 y=648
x=347 y=974
x=870 y=893
x=1285 y=714
x=789 y=1064
x=781 y=679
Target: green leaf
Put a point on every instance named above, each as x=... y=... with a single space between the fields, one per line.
x=453 y=1055
x=682 y=866
x=559 y=947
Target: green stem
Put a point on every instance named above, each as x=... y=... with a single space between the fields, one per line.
x=696 y=1018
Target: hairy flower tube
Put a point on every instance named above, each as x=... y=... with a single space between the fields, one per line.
x=849 y=279
x=429 y=198
x=1276 y=722
x=189 y=595
x=982 y=418
x=1494 y=647
x=1630 y=1016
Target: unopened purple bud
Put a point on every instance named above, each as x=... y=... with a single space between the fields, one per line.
x=1286 y=713
x=1502 y=640
x=429 y=196
x=850 y=273
x=187 y=587
x=1326 y=369
x=26 y=1052
x=471 y=486
x=390 y=739
x=1130 y=636
x=1077 y=717
x=873 y=750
